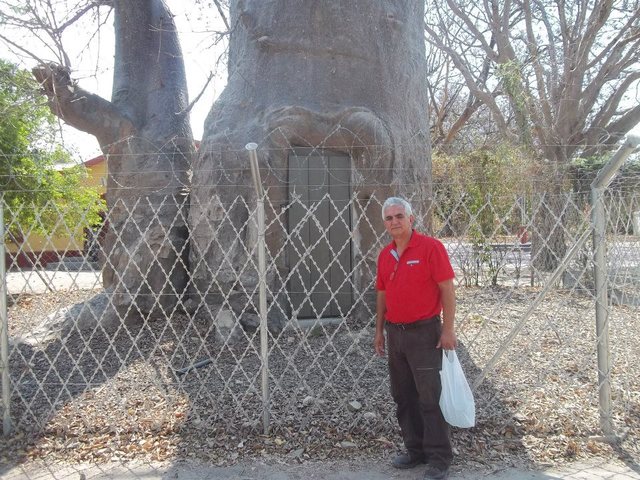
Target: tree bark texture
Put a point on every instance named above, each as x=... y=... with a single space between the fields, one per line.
x=349 y=77
x=145 y=134
x=548 y=235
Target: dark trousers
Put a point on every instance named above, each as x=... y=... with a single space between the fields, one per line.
x=414 y=371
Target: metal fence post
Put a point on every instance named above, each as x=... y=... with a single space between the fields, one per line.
x=602 y=318
x=598 y=216
x=4 y=332
x=262 y=272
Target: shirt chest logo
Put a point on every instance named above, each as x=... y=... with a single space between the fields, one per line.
x=411 y=263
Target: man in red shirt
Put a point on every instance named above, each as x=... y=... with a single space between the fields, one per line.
x=416 y=305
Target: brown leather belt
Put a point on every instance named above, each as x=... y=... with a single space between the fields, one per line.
x=416 y=324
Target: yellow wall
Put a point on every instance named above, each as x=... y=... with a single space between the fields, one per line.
x=57 y=243
x=63 y=242
x=98 y=176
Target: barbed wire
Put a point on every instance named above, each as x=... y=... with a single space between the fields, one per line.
x=629 y=185
x=571 y=172
x=246 y=168
x=241 y=150
x=183 y=200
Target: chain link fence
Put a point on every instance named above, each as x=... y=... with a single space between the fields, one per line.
x=86 y=377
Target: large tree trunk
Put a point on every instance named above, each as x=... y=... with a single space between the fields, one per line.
x=145 y=135
x=345 y=76
x=548 y=236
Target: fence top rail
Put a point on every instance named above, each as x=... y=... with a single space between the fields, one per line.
x=606 y=174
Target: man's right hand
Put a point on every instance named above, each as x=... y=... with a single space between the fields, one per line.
x=378 y=343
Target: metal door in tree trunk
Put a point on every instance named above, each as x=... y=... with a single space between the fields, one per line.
x=319 y=224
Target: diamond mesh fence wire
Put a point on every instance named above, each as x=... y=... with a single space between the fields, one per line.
x=109 y=352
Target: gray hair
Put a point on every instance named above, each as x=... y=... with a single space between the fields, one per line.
x=397 y=201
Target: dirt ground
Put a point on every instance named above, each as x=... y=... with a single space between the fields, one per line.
x=361 y=469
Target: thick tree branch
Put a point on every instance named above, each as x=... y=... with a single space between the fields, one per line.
x=80 y=109
x=565 y=32
x=611 y=69
x=597 y=19
x=620 y=39
x=610 y=107
x=534 y=53
x=470 y=109
x=602 y=140
x=149 y=80
x=625 y=122
x=552 y=82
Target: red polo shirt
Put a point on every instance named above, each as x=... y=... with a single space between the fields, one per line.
x=411 y=282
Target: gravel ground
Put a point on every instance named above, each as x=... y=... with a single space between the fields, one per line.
x=117 y=395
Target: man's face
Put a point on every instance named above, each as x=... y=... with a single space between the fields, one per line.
x=397 y=222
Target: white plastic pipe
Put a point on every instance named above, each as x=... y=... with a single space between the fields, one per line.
x=262 y=273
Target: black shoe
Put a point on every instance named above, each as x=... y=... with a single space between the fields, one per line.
x=434 y=472
x=406 y=461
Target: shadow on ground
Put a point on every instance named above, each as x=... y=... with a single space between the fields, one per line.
x=121 y=393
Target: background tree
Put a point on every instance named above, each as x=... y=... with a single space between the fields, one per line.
x=460 y=121
x=40 y=198
x=558 y=77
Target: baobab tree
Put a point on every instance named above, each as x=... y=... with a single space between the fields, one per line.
x=347 y=78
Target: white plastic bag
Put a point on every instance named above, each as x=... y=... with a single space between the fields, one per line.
x=456 y=399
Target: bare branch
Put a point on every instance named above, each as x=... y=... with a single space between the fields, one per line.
x=21 y=48
x=553 y=53
x=188 y=108
x=603 y=139
x=77 y=16
x=626 y=122
x=618 y=40
x=610 y=107
x=565 y=67
x=222 y=15
x=472 y=28
x=470 y=109
x=610 y=69
x=598 y=18
x=470 y=80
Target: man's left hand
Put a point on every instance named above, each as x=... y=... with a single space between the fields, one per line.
x=448 y=340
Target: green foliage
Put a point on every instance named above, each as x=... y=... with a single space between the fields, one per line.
x=476 y=189
x=477 y=194
x=40 y=197
x=510 y=73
